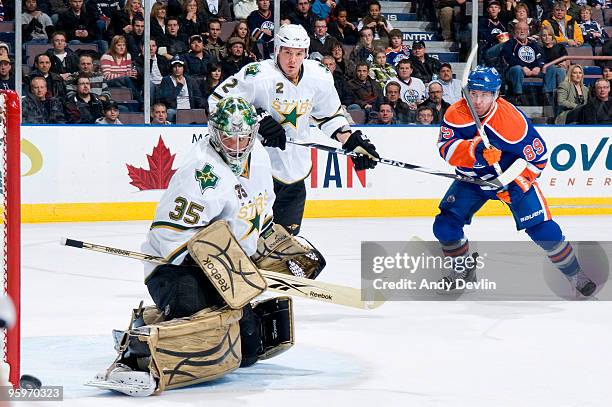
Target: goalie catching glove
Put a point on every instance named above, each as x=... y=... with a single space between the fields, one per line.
x=279 y=251
x=359 y=143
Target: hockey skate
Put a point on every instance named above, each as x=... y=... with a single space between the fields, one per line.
x=451 y=282
x=125 y=380
x=582 y=283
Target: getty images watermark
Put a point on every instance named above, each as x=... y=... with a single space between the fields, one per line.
x=445 y=265
x=418 y=270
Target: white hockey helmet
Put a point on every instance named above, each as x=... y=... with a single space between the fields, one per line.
x=292 y=36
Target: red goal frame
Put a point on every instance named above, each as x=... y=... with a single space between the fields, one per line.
x=10 y=116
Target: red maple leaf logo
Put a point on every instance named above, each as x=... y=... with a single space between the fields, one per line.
x=160 y=169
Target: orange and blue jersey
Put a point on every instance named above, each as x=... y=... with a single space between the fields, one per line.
x=507 y=128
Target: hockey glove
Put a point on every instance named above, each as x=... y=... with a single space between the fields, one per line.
x=271 y=131
x=359 y=143
x=519 y=186
x=512 y=195
x=483 y=155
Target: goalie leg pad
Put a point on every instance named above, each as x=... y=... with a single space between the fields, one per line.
x=226 y=265
x=184 y=351
x=279 y=251
x=266 y=329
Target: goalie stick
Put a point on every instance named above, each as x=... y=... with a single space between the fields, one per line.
x=278 y=282
x=517 y=166
x=498 y=182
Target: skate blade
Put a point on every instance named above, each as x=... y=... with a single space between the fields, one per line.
x=125 y=388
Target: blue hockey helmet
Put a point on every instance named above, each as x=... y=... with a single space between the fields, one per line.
x=485 y=79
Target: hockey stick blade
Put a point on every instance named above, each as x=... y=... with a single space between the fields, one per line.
x=278 y=282
x=494 y=183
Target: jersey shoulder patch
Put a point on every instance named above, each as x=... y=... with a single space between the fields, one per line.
x=508 y=122
x=206 y=177
x=458 y=115
x=252 y=69
x=324 y=67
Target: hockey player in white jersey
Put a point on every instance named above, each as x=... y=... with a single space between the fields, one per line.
x=291 y=90
x=226 y=176
x=214 y=227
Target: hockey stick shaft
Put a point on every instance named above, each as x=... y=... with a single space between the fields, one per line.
x=488 y=183
x=281 y=283
x=517 y=166
x=466 y=94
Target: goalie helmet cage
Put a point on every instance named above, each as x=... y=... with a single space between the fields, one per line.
x=11 y=223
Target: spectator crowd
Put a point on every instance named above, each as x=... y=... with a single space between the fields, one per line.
x=88 y=60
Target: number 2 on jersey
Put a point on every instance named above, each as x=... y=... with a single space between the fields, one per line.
x=230 y=84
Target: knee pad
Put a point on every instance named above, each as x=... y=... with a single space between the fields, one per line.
x=266 y=329
x=546 y=234
x=447 y=228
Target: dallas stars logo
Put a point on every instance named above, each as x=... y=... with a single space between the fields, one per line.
x=254 y=223
x=251 y=70
x=206 y=178
x=291 y=117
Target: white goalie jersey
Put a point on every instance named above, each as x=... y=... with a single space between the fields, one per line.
x=265 y=86
x=205 y=190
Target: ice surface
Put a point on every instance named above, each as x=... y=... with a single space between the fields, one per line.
x=402 y=354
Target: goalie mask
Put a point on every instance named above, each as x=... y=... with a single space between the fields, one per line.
x=233 y=129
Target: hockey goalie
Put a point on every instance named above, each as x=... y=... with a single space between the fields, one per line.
x=214 y=226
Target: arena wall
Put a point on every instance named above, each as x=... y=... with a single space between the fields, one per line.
x=103 y=173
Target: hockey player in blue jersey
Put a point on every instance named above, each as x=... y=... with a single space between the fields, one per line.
x=512 y=136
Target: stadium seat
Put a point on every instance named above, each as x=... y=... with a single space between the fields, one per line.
x=121 y=94
x=191 y=116
x=131 y=118
x=586 y=50
x=31 y=50
x=358 y=116
x=129 y=106
x=83 y=47
x=608 y=31
x=607 y=16
x=591 y=74
x=598 y=16
x=227 y=28
x=7 y=26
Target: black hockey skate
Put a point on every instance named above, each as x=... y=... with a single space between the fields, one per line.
x=582 y=283
x=451 y=282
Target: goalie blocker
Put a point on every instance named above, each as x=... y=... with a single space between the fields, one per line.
x=203 y=325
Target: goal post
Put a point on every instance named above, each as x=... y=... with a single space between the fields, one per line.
x=11 y=222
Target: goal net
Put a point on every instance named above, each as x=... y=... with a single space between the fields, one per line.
x=11 y=220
